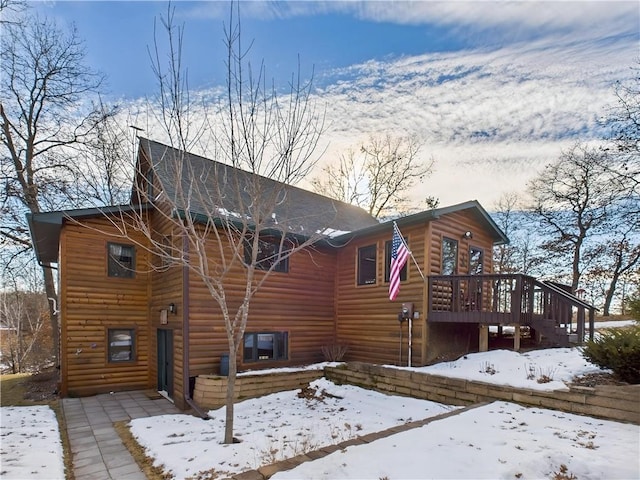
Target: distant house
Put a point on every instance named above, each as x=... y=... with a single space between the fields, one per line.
x=126 y=326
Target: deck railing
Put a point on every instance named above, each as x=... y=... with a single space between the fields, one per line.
x=511 y=299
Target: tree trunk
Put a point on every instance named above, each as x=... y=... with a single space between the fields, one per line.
x=229 y=401
x=575 y=264
x=608 y=299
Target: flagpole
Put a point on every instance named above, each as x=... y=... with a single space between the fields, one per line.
x=396 y=229
x=395 y=225
x=409 y=359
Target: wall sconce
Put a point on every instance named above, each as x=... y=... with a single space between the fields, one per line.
x=467 y=235
x=173 y=309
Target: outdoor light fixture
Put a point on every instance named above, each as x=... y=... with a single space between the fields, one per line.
x=172 y=308
x=468 y=235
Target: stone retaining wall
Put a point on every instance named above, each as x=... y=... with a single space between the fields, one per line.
x=620 y=403
x=210 y=390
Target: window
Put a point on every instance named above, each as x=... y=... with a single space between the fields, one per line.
x=367 y=265
x=121 y=260
x=268 y=255
x=475 y=261
x=449 y=256
x=387 y=263
x=121 y=344
x=265 y=346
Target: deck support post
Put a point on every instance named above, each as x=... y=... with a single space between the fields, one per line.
x=484 y=338
x=516 y=339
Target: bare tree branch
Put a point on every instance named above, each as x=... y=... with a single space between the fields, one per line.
x=44 y=112
x=379 y=179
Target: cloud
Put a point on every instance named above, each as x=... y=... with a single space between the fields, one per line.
x=490 y=118
x=523 y=20
x=615 y=17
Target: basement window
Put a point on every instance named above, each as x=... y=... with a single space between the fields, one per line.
x=263 y=346
x=121 y=344
x=367 y=265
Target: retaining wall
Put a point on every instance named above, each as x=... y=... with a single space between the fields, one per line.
x=620 y=403
x=211 y=390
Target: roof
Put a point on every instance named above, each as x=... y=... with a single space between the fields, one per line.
x=303 y=212
x=229 y=192
x=45 y=227
x=481 y=215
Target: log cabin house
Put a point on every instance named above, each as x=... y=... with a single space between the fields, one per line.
x=125 y=325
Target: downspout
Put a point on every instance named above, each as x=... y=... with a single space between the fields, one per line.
x=185 y=336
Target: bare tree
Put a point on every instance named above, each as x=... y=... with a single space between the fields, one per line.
x=345 y=181
x=616 y=255
x=24 y=336
x=624 y=117
x=521 y=254
x=10 y=10
x=378 y=177
x=575 y=199
x=44 y=114
x=104 y=161
x=232 y=222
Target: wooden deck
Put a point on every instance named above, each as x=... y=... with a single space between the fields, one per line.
x=515 y=299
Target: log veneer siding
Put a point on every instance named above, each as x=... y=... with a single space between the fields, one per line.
x=299 y=302
x=367 y=322
x=317 y=302
x=91 y=303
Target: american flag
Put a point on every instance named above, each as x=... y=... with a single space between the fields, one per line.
x=399 y=255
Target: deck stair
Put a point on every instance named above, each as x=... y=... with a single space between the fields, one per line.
x=558 y=316
x=553 y=334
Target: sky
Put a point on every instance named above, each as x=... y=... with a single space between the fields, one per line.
x=499 y=440
x=492 y=90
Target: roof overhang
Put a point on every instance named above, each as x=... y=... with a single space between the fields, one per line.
x=45 y=228
x=499 y=237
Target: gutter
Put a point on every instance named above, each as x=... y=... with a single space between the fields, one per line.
x=185 y=338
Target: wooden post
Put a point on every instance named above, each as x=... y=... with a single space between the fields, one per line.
x=516 y=339
x=423 y=322
x=484 y=338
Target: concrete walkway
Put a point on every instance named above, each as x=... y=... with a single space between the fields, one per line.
x=96 y=448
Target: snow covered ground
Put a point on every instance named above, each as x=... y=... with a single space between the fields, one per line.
x=30 y=445
x=275 y=427
x=521 y=370
x=501 y=440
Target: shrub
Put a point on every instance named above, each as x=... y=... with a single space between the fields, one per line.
x=617 y=349
x=334 y=352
